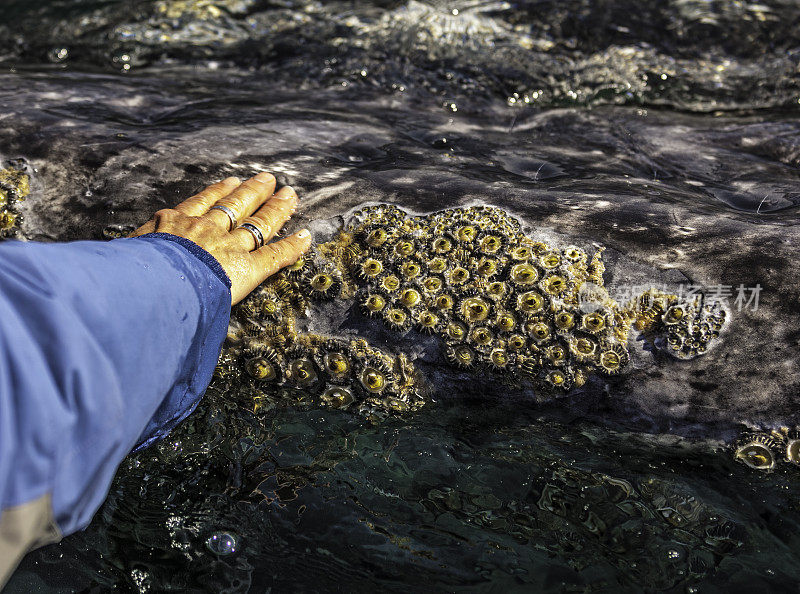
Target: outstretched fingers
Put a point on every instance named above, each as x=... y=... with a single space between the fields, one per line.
x=269 y=219
x=271 y=258
x=245 y=199
x=199 y=204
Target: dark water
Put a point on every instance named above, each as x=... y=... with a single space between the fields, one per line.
x=665 y=131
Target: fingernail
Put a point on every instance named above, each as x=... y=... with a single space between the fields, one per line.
x=264 y=177
x=232 y=180
x=286 y=193
x=303 y=233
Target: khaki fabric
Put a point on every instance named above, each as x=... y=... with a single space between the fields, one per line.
x=23 y=528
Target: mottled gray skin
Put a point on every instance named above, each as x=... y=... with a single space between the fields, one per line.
x=671 y=197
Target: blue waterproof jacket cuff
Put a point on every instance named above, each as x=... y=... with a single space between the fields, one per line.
x=196 y=251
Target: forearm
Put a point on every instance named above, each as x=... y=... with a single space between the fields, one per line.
x=102 y=346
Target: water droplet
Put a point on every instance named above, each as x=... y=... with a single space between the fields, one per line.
x=674 y=555
x=222 y=543
x=58 y=54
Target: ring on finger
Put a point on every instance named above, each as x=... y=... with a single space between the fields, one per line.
x=255 y=232
x=231 y=215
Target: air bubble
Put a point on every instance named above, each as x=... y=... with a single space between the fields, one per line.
x=222 y=543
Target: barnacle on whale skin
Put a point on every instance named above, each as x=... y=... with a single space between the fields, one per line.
x=791 y=446
x=338 y=396
x=759 y=451
x=14 y=187
x=763 y=450
x=684 y=329
x=373 y=304
x=535 y=314
x=324 y=285
x=335 y=363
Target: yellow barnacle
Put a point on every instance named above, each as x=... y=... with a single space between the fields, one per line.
x=371 y=267
x=437 y=265
x=390 y=283
x=373 y=380
x=427 y=320
x=404 y=248
x=261 y=369
x=444 y=302
x=487 y=267
x=321 y=282
x=611 y=362
x=490 y=244
x=593 y=322
x=540 y=331
x=522 y=253
x=338 y=397
x=396 y=318
x=556 y=378
x=524 y=274
x=505 y=322
x=556 y=354
x=467 y=233
x=302 y=372
x=297 y=265
x=574 y=254
x=410 y=297
x=564 y=320
x=554 y=285
x=482 y=336
x=474 y=309
x=516 y=342
x=758 y=454
x=441 y=245
x=269 y=307
x=583 y=348
x=498 y=358
x=539 y=247
x=458 y=276
x=336 y=364
x=550 y=260
x=7 y=220
x=377 y=237
x=432 y=284
x=456 y=331
x=410 y=269
x=530 y=302
x=496 y=290
x=674 y=315
x=374 y=303
x=461 y=355
x=792 y=449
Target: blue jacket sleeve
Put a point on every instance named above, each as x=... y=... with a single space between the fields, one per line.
x=103 y=347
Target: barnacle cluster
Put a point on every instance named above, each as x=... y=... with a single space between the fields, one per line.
x=683 y=328
x=497 y=300
x=14 y=186
x=503 y=301
x=764 y=450
x=266 y=355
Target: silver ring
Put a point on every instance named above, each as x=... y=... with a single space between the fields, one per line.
x=229 y=212
x=255 y=232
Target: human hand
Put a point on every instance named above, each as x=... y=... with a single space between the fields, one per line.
x=237 y=250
